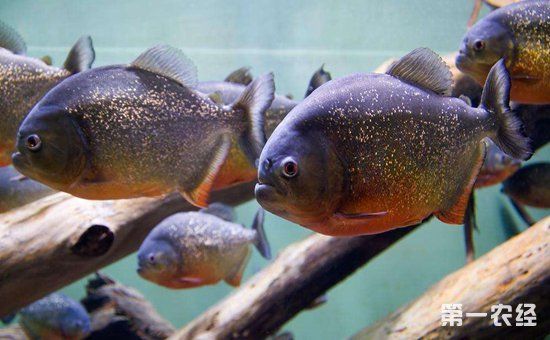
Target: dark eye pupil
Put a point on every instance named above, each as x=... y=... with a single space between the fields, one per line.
x=478 y=45
x=33 y=142
x=290 y=168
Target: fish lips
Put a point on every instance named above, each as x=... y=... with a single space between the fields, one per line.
x=20 y=162
x=270 y=198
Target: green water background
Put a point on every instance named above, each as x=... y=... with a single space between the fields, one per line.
x=292 y=39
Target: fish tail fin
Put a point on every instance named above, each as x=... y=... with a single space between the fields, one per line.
x=81 y=56
x=254 y=100
x=495 y=99
x=261 y=242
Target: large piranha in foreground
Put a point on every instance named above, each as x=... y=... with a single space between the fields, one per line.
x=368 y=153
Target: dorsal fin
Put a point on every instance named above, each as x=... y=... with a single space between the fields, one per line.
x=168 y=62
x=11 y=40
x=223 y=211
x=424 y=68
x=240 y=76
x=81 y=56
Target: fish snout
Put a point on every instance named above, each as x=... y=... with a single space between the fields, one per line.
x=265 y=170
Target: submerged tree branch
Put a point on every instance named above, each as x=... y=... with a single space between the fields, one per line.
x=515 y=272
x=300 y=274
x=59 y=239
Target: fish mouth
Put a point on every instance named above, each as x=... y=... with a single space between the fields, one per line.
x=20 y=162
x=462 y=60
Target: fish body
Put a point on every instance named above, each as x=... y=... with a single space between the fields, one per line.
x=530 y=185
x=229 y=92
x=199 y=248
x=24 y=80
x=136 y=130
x=536 y=123
x=55 y=317
x=16 y=190
x=496 y=167
x=519 y=33
x=370 y=152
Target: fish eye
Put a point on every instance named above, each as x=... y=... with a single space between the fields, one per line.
x=152 y=258
x=479 y=45
x=33 y=143
x=290 y=168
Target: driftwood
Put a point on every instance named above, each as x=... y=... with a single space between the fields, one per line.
x=515 y=272
x=299 y=275
x=121 y=312
x=59 y=239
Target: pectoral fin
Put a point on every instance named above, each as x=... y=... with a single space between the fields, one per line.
x=190 y=280
x=199 y=195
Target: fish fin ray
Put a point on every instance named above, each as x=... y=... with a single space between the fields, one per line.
x=81 y=56
x=223 y=211
x=234 y=278
x=199 y=196
x=425 y=68
x=455 y=214
x=496 y=99
x=261 y=242
x=168 y=62
x=240 y=76
x=11 y=40
x=254 y=100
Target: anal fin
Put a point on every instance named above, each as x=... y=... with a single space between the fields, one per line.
x=199 y=195
x=235 y=277
x=455 y=214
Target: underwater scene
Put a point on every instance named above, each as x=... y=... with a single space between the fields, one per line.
x=274 y=169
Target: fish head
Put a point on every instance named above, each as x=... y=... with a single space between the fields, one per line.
x=75 y=323
x=51 y=147
x=483 y=45
x=300 y=176
x=158 y=261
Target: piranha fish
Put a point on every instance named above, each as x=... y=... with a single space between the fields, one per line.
x=496 y=167
x=519 y=34
x=55 y=317
x=367 y=153
x=319 y=78
x=536 y=123
x=16 y=190
x=24 y=80
x=142 y=129
x=200 y=248
x=530 y=185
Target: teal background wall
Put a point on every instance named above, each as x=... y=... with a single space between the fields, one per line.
x=292 y=39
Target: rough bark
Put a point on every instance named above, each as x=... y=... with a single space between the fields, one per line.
x=516 y=272
x=59 y=239
x=299 y=275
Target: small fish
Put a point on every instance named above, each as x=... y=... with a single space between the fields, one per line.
x=367 y=153
x=200 y=248
x=24 y=80
x=519 y=34
x=55 y=317
x=496 y=167
x=17 y=190
x=319 y=78
x=142 y=129
x=530 y=185
x=536 y=123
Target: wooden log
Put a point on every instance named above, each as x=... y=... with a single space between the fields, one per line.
x=299 y=275
x=121 y=312
x=513 y=273
x=59 y=239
